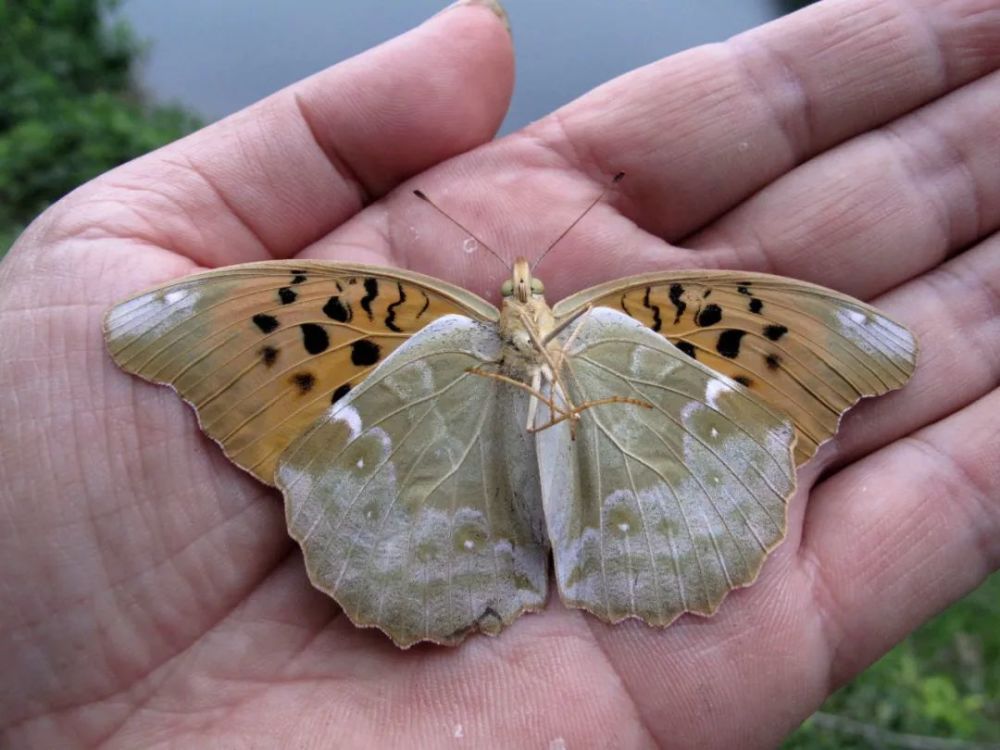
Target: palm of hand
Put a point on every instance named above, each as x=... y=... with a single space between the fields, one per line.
x=152 y=591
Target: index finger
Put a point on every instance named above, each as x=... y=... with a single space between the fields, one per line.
x=268 y=180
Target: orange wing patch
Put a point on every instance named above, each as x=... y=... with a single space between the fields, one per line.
x=809 y=352
x=260 y=351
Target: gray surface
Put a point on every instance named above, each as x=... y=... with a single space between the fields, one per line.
x=219 y=56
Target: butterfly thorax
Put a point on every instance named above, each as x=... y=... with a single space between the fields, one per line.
x=525 y=320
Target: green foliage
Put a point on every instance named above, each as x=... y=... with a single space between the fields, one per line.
x=790 y=6
x=943 y=681
x=69 y=109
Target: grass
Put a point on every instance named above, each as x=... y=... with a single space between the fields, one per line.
x=940 y=688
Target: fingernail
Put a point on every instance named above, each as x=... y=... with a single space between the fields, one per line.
x=493 y=5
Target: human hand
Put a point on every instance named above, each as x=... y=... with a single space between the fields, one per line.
x=151 y=592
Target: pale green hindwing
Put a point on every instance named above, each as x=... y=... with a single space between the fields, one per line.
x=415 y=498
x=652 y=512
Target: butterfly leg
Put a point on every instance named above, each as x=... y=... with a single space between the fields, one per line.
x=574 y=412
x=543 y=351
x=536 y=385
x=523 y=386
x=549 y=370
x=566 y=323
x=561 y=355
x=560 y=396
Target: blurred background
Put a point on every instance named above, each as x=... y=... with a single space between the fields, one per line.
x=89 y=84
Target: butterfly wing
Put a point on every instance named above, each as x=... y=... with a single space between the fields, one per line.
x=261 y=349
x=807 y=350
x=652 y=512
x=415 y=498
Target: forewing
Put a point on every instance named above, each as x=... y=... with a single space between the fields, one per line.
x=809 y=351
x=415 y=499
x=661 y=509
x=260 y=350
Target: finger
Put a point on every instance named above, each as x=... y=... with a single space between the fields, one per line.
x=272 y=178
x=896 y=537
x=879 y=209
x=700 y=131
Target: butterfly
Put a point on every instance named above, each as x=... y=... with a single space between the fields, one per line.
x=435 y=452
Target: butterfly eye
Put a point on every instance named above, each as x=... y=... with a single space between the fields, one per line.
x=507 y=290
x=537 y=287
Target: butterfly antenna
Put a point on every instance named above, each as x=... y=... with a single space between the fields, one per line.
x=614 y=181
x=423 y=196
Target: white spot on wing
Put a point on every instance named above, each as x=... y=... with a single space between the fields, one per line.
x=169 y=309
x=857 y=327
x=713 y=388
x=349 y=416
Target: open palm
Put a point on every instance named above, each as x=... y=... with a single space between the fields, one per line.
x=150 y=592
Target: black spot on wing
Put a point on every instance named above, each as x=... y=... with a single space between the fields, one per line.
x=266 y=323
x=334 y=309
x=773 y=361
x=304 y=381
x=676 y=292
x=775 y=332
x=427 y=303
x=624 y=308
x=340 y=393
x=390 y=319
x=743 y=380
x=314 y=338
x=687 y=347
x=298 y=278
x=287 y=295
x=709 y=315
x=657 y=321
x=268 y=355
x=756 y=305
x=728 y=344
x=743 y=287
x=365 y=352
x=371 y=292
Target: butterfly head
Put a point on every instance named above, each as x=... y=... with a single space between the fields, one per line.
x=521 y=285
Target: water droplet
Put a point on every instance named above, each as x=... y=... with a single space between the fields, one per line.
x=470 y=246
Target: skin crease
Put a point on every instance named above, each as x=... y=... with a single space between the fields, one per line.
x=151 y=596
